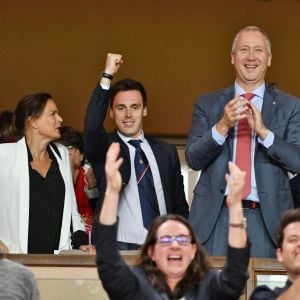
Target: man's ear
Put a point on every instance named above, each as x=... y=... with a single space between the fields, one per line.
x=232 y=55
x=111 y=113
x=279 y=254
x=269 y=60
x=145 y=112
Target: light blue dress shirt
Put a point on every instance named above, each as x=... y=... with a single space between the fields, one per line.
x=267 y=142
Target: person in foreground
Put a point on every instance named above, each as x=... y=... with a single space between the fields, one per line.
x=37 y=199
x=288 y=252
x=17 y=281
x=171 y=263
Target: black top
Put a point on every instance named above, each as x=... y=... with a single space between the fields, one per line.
x=123 y=282
x=46 y=205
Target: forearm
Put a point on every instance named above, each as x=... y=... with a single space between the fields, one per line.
x=201 y=151
x=237 y=236
x=286 y=154
x=109 y=210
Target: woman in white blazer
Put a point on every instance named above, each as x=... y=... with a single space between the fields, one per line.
x=38 y=210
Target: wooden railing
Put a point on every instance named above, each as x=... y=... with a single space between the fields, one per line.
x=74 y=276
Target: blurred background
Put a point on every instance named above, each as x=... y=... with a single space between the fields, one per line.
x=177 y=49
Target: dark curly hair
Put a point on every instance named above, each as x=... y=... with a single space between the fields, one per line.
x=290 y=216
x=195 y=271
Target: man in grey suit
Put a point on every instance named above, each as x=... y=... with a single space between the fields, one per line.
x=274 y=120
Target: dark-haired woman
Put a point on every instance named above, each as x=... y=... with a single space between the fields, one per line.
x=37 y=200
x=171 y=264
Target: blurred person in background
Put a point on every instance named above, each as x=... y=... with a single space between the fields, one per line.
x=83 y=176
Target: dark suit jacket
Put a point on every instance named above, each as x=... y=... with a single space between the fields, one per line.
x=281 y=115
x=122 y=282
x=97 y=141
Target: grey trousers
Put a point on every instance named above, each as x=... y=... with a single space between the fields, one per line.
x=261 y=243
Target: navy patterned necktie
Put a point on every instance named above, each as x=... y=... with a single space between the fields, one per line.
x=147 y=194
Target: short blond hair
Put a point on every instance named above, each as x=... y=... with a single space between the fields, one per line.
x=252 y=28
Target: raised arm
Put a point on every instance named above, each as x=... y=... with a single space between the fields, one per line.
x=237 y=236
x=108 y=215
x=95 y=136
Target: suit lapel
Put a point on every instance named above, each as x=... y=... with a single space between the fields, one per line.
x=226 y=96
x=162 y=168
x=22 y=166
x=269 y=107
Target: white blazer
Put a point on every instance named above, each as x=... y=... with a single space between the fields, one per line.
x=14 y=197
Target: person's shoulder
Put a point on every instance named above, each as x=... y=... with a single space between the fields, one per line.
x=279 y=94
x=161 y=143
x=14 y=267
x=9 y=149
x=216 y=94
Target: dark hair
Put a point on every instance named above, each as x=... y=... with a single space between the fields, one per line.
x=127 y=85
x=195 y=271
x=290 y=216
x=71 y=137
x=7 y=130
x=30 y=106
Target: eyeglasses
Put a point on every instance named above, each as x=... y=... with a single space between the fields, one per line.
x=167 y=240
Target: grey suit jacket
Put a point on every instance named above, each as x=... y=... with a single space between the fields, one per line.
x=281 y=115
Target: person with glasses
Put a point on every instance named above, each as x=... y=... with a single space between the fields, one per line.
x=171 y=264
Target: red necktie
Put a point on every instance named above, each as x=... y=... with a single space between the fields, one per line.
x=243 y=148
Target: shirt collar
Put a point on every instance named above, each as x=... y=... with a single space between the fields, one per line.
x=126 y=139
x=258 y=92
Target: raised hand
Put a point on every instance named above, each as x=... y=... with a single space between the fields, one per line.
x=236 y=181
x=113 y=63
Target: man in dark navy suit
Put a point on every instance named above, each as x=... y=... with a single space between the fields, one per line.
x=127 y=104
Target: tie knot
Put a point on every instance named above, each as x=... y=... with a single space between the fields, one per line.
x=248 y=96
x=135 y=143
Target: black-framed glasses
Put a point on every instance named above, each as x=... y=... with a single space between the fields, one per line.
x=167 y=240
